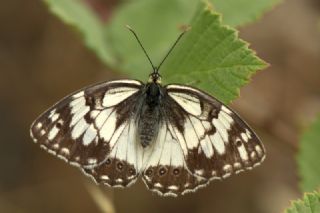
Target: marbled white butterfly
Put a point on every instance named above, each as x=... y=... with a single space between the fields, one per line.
x=176 y=137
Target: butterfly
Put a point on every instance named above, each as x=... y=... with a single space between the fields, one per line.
x=177 y=138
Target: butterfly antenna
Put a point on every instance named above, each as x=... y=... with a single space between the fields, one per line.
x=145 y=52
x=186 y=29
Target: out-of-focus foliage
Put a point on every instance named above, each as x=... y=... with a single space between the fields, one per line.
x=240 y=12
x=212 y=58
x=308 y=158
x=309 y=204
x=84 y=20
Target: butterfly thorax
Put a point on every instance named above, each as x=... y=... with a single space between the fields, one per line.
x=149 y=116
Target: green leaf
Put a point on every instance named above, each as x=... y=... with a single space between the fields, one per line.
x=239 y=12
x=309 y=204
x=156 y=23
x=157 y=30
x=308 y=157
x=79 y=16
x=212 y=57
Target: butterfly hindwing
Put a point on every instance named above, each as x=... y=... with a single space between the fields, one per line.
x=215 y=141
x=165 y=171
x=123 y=164
x=83 y=128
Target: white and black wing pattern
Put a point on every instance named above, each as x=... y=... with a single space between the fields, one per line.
x=123 y=165
x=165 y=171
x=89 y=125
x=214 y=140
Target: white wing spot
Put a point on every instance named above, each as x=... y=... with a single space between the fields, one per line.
x=79 y=114
x=116 y=95
x=52 y=113
x=53 y=133
x=206 y=146
x=104 y=177
x=108 y=127
x=42 y=132
x=225 y=109
x=207 y=125
x=199 y=172
x=173 y=187
x=243 y=152
x=56 y=146
x=159 y=185
x=78 y=95
x=237 y=165
x=77 y=104
x=221 y=129
x=94 y=113
x=102 y=117
x=92 y=160
x=218 y=143
x=244 y=137
x=89 y=135
x=248 y=133
x=190 y=135
x=39 y=125
x=227 y=168
x=54 y=117
x=253 y=155
x=259 y=150
x=79 y=128
x=119 y=180
x=225 y=119
x=226 y=175
x=65 y=151
x=188 y=102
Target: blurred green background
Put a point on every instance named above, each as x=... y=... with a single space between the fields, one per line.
x=42 y=60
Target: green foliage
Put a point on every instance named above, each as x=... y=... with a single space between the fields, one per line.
x=156 y=30
x=239 y=12
x=211 y=56
x=308 y=158
x=309 y=204
x=76 y=14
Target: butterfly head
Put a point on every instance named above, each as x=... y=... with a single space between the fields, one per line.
x=155 y=77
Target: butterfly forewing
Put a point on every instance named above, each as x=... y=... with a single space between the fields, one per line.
x=84 y=127
x=215 y=141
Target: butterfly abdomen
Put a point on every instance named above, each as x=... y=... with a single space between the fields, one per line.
x=148 y=125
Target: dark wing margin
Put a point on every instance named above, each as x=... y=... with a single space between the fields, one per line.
x=215 y=141
x=83 y=128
